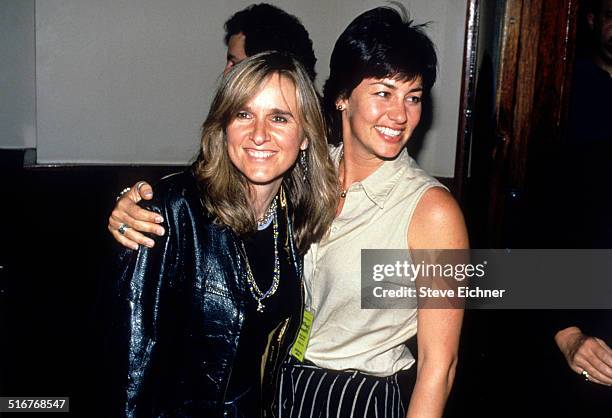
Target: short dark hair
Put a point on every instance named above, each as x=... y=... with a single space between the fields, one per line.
x=379 y=43
x=268 y=28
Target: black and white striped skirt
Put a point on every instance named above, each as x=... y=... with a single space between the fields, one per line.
x=308 y=391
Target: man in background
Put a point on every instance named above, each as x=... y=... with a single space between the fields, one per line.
x=585 y=337
x=256 y=28
x=263 y=27
x=591 y=101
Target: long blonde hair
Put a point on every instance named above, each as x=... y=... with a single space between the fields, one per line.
x=312 y=193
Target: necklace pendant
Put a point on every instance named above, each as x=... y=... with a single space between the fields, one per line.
x=340 y=179
x=255 y=291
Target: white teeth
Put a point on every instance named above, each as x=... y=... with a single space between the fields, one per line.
x=388 y=131
x=260 y=154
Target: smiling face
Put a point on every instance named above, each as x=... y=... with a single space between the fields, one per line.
x=380 y=115
x=266 y=135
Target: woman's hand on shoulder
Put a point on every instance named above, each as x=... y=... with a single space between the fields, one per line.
x=136 y=220
x=437 y=222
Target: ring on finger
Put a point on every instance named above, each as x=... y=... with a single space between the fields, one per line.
x=122 y=228
x=586 y=376
x=140 y=184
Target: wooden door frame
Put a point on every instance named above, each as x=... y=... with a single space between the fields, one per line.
x=534 y=75
x=467 y=99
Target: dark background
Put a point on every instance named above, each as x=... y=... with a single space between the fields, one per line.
x=56 y=300
x=56 y=279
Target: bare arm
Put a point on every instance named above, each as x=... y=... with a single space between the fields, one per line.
x=138 y=220
x=583 y=352
x=437 y=224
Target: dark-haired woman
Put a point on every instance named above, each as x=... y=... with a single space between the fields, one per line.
x=381 y=70
x=197 y=310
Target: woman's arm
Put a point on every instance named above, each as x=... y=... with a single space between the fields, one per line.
x=127 y=212
x=437 y=223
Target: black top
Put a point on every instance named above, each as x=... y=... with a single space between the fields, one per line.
x=246 y=372
x=590 y=104
x=583 y=205
x=187 y=336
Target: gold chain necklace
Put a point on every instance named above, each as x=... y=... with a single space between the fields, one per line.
x=256 y=292
x=342 y=191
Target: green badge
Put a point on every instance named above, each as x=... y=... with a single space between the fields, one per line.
x=299 y=348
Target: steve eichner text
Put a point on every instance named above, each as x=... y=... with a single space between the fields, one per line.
x=411 y=271
x=460 y=292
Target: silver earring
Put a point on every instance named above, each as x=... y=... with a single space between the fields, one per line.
x=340 y=107
x=304 y=165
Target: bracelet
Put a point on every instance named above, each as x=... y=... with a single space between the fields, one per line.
x=122 y=192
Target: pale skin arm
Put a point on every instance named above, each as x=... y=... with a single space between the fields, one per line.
x=583 y=352
x=139 y=220
x=437 y=223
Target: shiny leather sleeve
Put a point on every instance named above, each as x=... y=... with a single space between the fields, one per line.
x=147 y=307
x=181 y=310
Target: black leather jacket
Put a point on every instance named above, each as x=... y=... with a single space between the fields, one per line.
x=184 y=301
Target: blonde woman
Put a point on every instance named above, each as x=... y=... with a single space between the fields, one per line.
x=196 y=310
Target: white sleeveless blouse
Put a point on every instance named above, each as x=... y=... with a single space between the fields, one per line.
x=376 y=215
